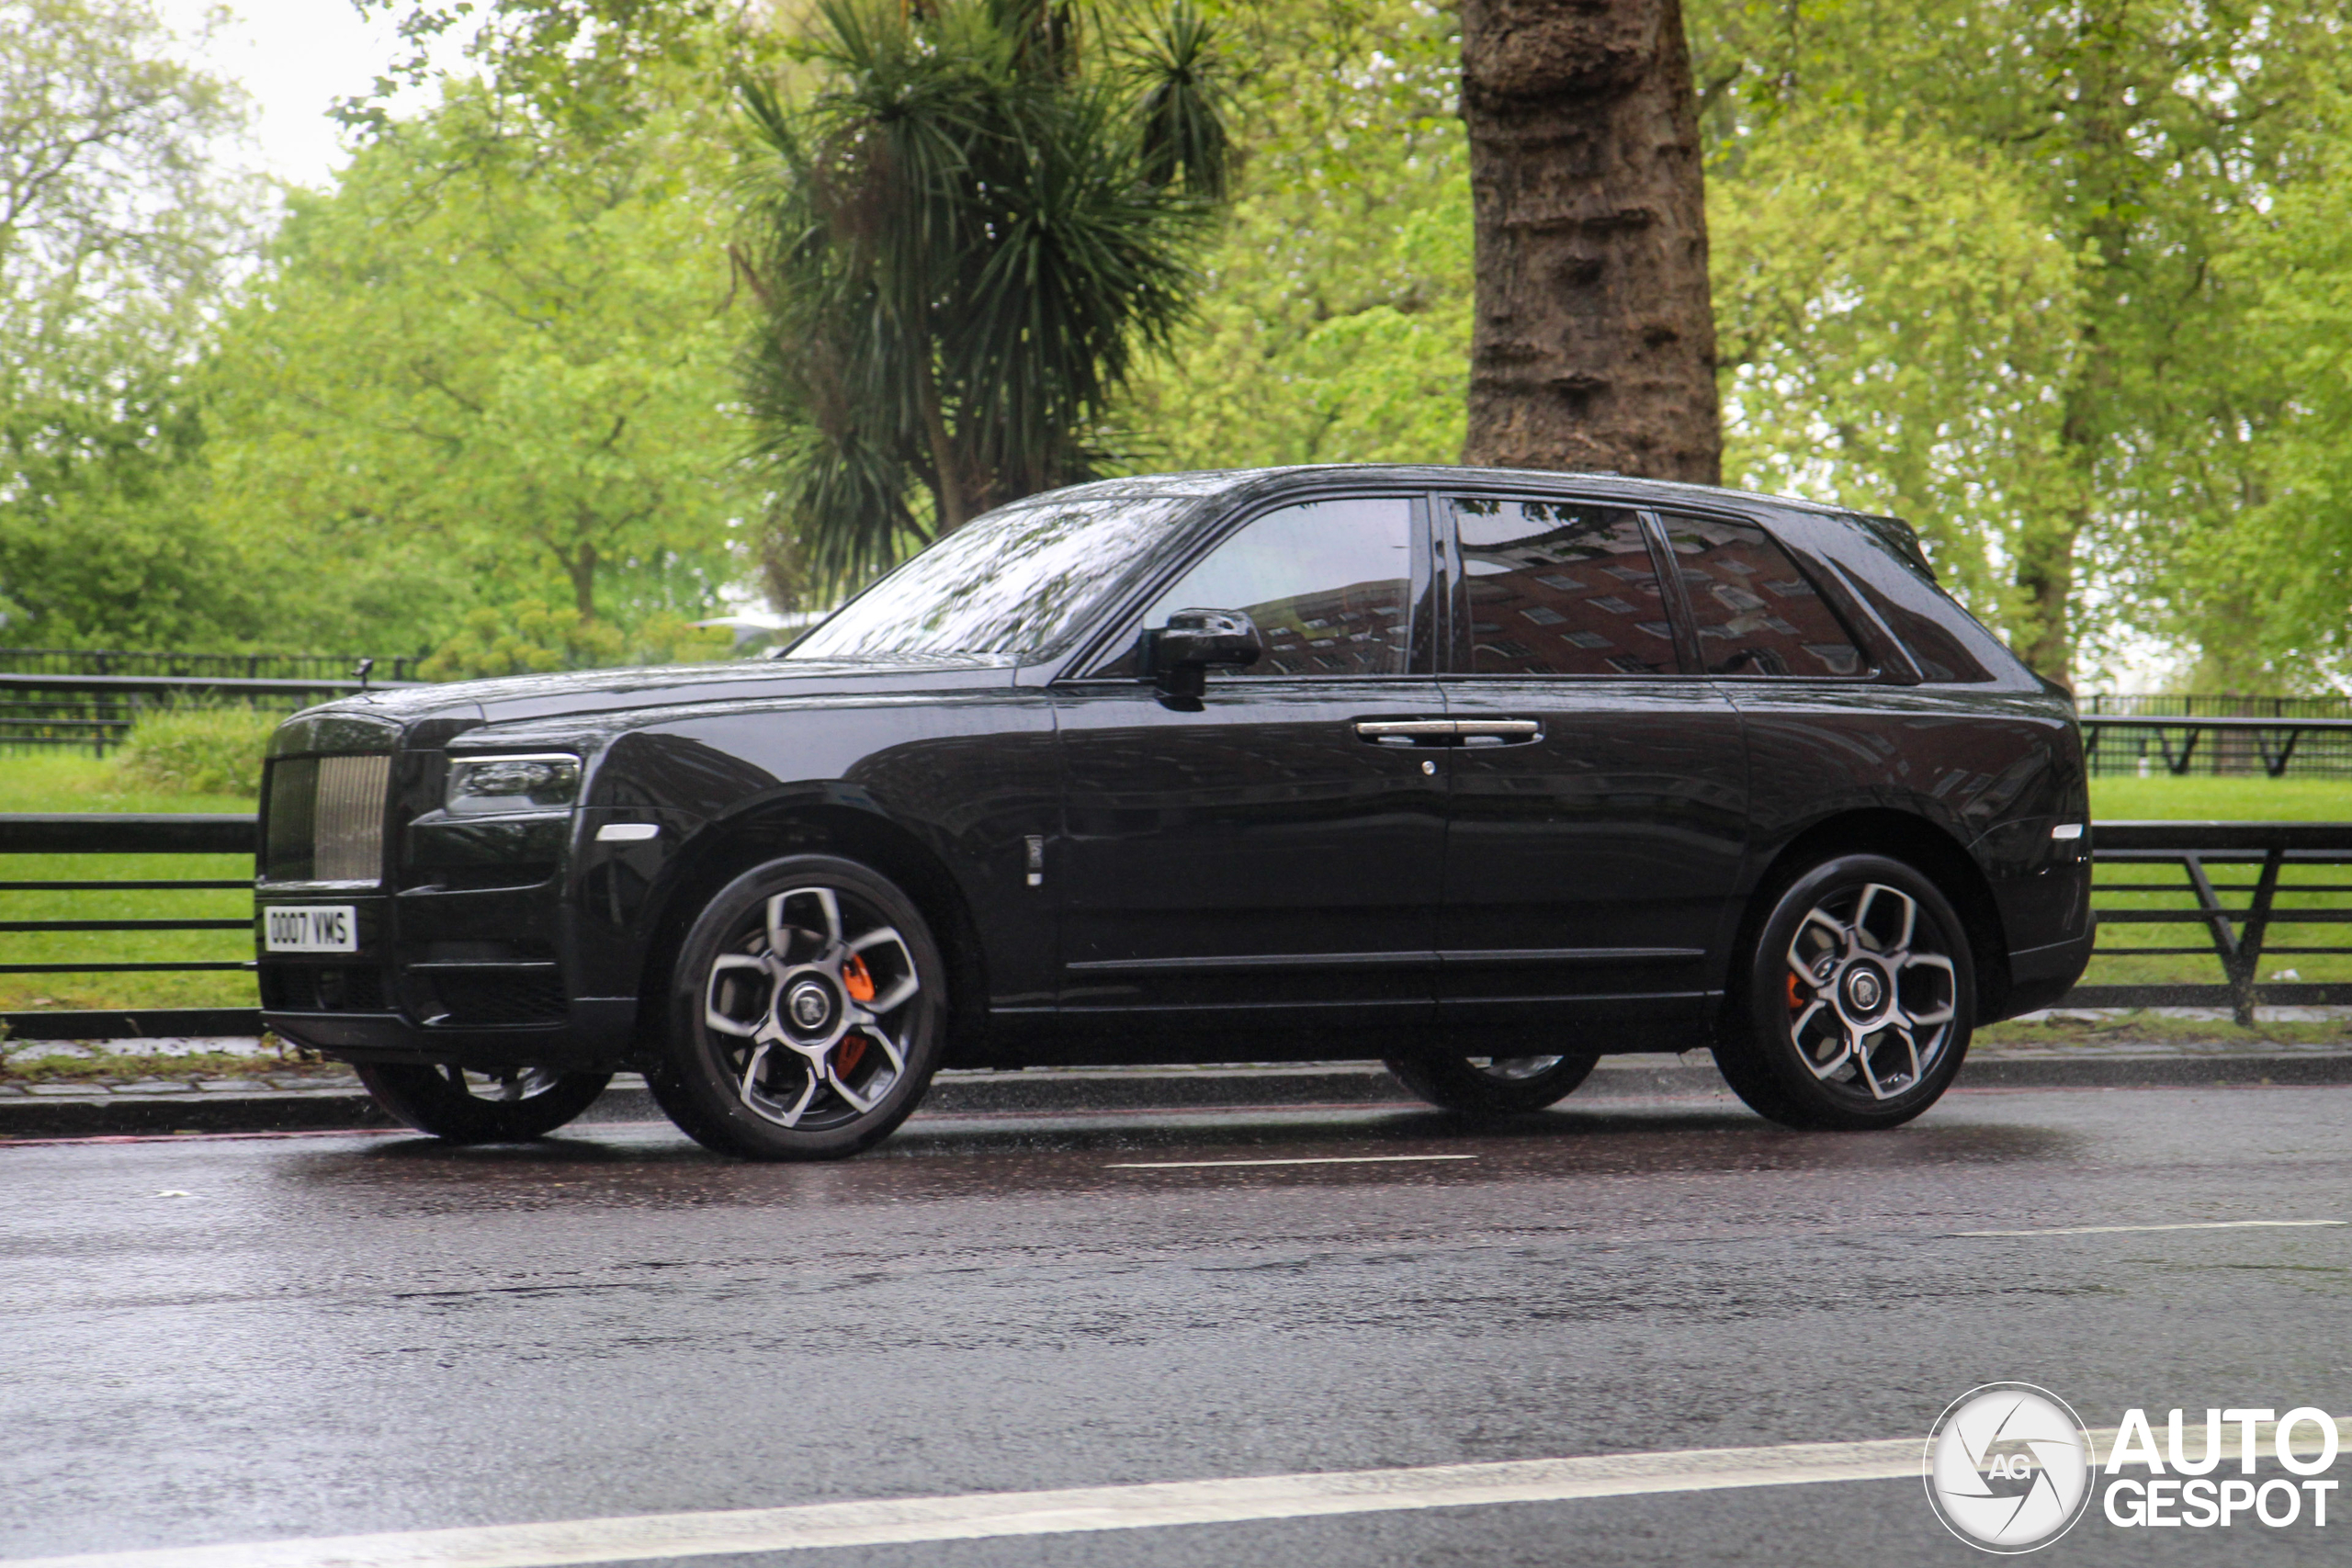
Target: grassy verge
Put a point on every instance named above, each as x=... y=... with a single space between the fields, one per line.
x=105 y=1067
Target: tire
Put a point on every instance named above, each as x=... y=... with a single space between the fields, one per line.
x=806 y=1014
x=1493 y=1086
x=480 y=1108
x=1853 y=1008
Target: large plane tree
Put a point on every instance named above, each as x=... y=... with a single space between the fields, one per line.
x=1594 y=341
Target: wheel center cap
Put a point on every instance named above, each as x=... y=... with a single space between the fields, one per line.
x=1865 y=989
x=809 y=1005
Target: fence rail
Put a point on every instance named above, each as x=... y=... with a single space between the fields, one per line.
x=2273 y=742
x=2238 y=936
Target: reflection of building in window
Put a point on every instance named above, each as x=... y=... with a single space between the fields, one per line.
x=1557 y=589
x=1755 y=612
x=1360 y=629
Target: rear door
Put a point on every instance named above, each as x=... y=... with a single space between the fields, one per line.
x=1267 y=855
x=1599 y=791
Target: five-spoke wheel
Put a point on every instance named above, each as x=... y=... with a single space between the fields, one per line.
x=1859 y=998
x=1493 y=1086
x=463 y=1107
x=807 y=1009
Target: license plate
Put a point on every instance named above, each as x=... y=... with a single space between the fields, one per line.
x=310 y=927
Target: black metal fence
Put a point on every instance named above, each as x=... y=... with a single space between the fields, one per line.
x=2236 y=932
x=94 y=713
x=2219 y=733
x=209 y=666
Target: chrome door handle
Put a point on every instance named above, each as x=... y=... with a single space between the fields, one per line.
x=1405 y=731
x=1498 y=728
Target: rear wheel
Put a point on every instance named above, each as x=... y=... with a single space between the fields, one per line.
x=1493 y=1086
x=1858 y=999
x=480 y=1108
x=807 y=1010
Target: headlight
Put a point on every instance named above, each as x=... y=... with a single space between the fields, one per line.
x=491 y=786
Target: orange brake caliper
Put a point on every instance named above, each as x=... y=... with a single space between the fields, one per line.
x=859 y=984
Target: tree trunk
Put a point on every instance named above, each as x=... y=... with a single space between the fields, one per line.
x=1595 y=341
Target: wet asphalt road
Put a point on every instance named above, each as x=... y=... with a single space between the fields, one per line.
x=322 y=1335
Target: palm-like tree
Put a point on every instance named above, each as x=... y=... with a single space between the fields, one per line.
x=958 y=245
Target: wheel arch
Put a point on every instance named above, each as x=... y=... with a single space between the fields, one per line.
x=1919 y=843
x=725 y=849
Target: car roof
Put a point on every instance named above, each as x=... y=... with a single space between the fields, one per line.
x=1206 y=482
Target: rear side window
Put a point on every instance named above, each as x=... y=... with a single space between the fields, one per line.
x=1329 y=582
x=1560 y=588
x=1755 y=612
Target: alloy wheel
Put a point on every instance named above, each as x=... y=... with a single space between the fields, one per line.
x=1871 y=998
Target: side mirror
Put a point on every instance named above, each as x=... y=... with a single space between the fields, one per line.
x=1194 y=641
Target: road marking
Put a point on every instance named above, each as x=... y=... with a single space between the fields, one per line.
x=905 y=1519
x=979 y=1516
x=1328 y=1159
x=2196 y=1225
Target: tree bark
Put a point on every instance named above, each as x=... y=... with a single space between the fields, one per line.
x=1594 y=340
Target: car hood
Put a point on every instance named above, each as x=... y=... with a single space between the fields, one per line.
x=442 y=711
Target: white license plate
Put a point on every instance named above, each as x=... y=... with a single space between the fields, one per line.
x=310 y=927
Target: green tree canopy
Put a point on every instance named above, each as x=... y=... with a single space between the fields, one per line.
x=493 y=364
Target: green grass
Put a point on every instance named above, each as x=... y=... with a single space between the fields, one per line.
x=2233 y=798
x=82 y=784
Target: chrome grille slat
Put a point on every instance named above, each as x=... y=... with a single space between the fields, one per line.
x=349 y=819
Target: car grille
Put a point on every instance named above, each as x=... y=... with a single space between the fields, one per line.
x=326 y=819
x=320 y=987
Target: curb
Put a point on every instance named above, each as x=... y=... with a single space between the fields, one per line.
x=1079 y=1091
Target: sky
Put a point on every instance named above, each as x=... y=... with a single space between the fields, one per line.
x=295 y=57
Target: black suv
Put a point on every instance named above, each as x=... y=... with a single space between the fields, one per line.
x=1483 y=774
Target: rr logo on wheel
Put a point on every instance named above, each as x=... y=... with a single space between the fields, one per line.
x=2008 y=1468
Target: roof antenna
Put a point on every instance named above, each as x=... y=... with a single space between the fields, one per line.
x=360 y=672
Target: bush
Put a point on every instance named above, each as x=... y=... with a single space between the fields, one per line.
x=197 y=751
x=530 y=637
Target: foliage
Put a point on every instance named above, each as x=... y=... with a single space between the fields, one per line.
x=197 y=750
x=118 y=232
x=2138 y=138
x=1334 y=324
x=491 y=364
x=530 y=637
x=958 y=242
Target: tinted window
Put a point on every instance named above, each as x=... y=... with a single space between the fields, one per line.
x=1755 y=614
x=1554 y=588
x=1016 y=582
x=1329 y=582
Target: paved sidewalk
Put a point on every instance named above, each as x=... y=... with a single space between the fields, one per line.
x=272 y=1103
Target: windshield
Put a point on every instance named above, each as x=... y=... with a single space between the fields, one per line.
x=1017 y=582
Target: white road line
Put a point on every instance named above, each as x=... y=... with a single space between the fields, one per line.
x=897 y=1521
x=2198 y=1225
x=1329 y=1159
x=973 y=1517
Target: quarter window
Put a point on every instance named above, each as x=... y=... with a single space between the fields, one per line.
x=1329 y=582
x=1755 y=612
x=1559 y=588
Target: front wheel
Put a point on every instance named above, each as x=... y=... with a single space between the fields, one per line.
x=1493 y=1086
x=807 y=1009
x=1858 y=998
x=460 y=1107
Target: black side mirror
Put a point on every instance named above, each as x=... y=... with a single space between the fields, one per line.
x=1179 y=654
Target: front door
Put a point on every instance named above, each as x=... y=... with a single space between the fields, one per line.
x=1599 y=793
x=1264 y=860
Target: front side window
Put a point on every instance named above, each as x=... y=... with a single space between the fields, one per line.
x=1560 y=588
x=1755 y=612
x=1329 y=582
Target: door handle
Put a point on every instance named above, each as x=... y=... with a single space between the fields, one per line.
x=1406 y=732
x=1448 y=731
x=1497 y=731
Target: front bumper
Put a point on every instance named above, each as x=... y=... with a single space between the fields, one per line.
x=2039 y=976
x=593 y=1037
